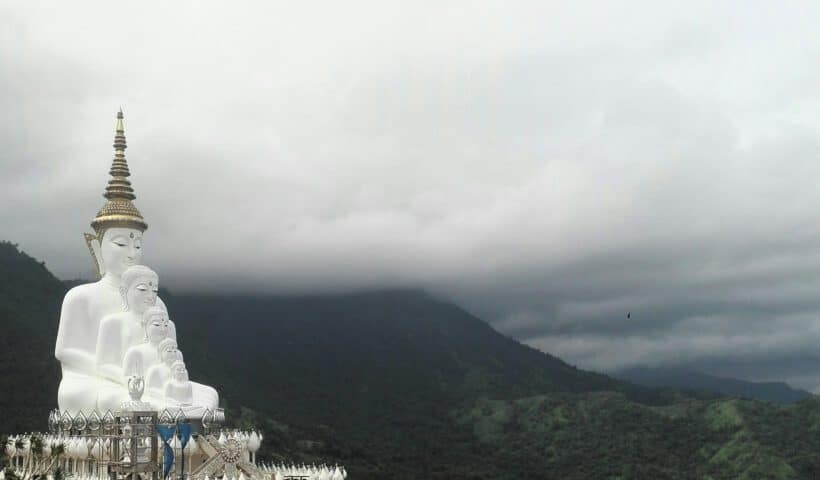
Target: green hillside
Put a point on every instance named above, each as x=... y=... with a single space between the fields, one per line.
x=603 y=435
x=399 y=384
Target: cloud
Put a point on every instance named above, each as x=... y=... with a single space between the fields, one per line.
x=549 y=166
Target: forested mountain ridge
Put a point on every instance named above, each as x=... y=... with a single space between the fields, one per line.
x=399 y=384
x=684 y=378
x=30 y=299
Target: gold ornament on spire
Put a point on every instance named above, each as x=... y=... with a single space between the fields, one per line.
x=118 y=211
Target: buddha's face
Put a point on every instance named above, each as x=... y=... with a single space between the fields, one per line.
x=180 y=373
x=171 y=355
x=168 y=354
x=156 y=329
x=142 y=294
x=120 y=248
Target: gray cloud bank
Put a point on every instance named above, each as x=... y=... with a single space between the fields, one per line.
x=550 y=166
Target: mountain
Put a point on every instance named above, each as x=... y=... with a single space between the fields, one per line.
x=30 y=299
x=683 y=378
x=383 y=373
x=401 y=384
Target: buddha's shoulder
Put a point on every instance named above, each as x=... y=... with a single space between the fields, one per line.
x=157 y=367
x=81 y=293
x=115 y=318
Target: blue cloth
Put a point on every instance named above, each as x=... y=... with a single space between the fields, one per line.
x=166 y=434
x=184 y=432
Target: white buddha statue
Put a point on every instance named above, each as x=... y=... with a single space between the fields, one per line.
x=115 y=246
x=139 y=358
x=159 y=374
x=119 y=331
x=178 y=390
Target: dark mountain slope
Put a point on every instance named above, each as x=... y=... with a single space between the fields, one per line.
x=30 y=299
x=381 y=372
x=371 y=350
x=683 y=378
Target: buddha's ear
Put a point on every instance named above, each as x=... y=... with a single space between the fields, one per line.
x=94 y=247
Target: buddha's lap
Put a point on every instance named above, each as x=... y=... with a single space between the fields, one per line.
x=81 y=392
x=84 y=392
x=205 y=391
x=110 y=397
x=75 y=388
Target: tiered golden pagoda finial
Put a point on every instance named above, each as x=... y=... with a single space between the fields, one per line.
x=118 y=211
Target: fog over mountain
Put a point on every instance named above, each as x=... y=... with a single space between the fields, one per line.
x=552 y=167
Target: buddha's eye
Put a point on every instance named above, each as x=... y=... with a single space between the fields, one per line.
x=141 y=288
x=119 y=244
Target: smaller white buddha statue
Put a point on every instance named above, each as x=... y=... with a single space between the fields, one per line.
x=159 y=374
x=139 y=358
x=178 y=389
x=118 y=332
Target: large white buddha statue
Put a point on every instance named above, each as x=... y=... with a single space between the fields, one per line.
x=115 y=246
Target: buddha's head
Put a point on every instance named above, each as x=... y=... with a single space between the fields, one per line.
x=139 y=288
x=117 y=240
x=155 y=323
x=179 y=372
x=169 y=352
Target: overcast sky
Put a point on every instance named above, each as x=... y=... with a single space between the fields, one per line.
x=550 y=166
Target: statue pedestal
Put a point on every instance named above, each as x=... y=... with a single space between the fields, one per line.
x=124 y=444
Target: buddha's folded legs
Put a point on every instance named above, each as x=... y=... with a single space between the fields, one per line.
x=77 y=393
x=110 y=395
x=205 y=395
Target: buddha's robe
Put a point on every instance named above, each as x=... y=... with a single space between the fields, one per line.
x=156 y=378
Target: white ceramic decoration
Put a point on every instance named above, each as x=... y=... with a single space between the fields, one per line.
x=136 y=387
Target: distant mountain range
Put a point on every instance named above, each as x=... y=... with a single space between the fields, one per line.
x=683 y=378
x=400 y=384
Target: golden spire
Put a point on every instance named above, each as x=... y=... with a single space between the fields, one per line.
x=118 y=211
